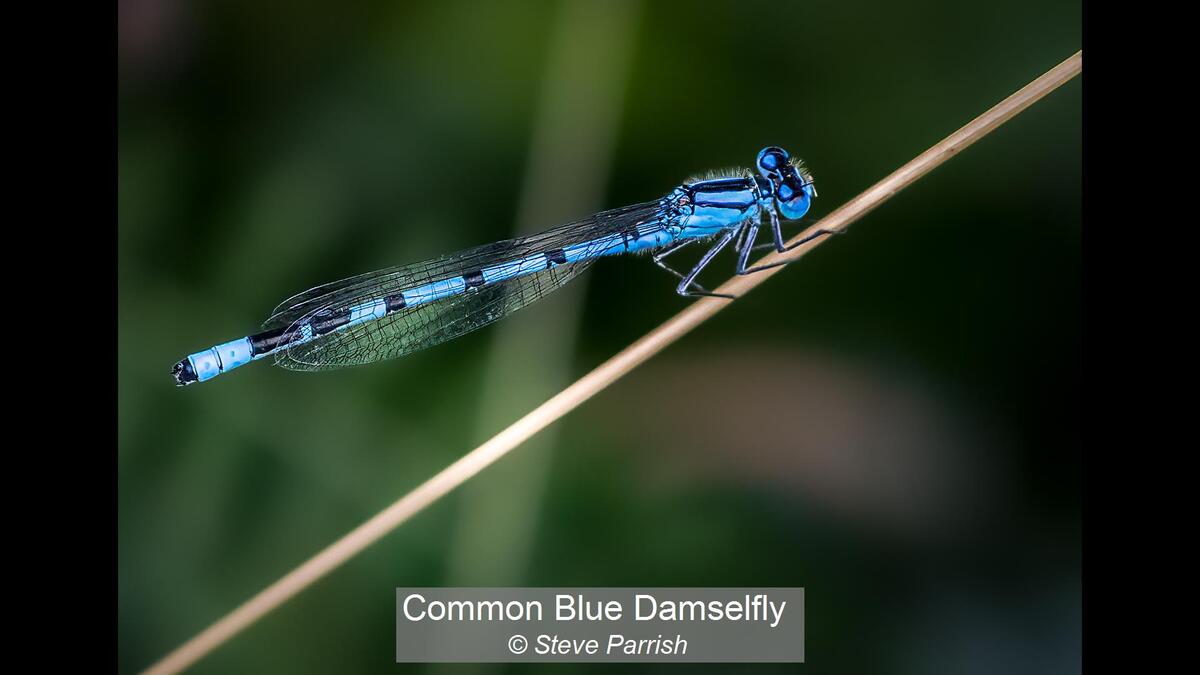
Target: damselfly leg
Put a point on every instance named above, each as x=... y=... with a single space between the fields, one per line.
x=779 y=245
x=658 y=260
x=683 y=287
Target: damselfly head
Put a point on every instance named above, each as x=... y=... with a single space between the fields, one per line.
x=794 y=189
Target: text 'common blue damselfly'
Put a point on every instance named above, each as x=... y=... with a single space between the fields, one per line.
x=396 y=311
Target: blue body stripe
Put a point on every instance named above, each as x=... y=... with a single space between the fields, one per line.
x=222 y=358
x=509 y=270
x=591 y=249
x=435 y=291
x=376 y=309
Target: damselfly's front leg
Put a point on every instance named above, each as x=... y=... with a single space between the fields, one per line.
x=779 y=245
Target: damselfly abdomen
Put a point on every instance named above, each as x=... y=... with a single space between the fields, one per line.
x=396 y=311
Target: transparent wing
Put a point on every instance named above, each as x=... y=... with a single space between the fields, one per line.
x=413 y=328
x=395 y=279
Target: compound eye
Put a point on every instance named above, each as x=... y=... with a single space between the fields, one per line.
x=771 y=160
x=792 y=197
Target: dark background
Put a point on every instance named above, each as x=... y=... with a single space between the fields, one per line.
x=891 y=424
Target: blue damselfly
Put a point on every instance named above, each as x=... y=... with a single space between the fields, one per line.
x=396 y=311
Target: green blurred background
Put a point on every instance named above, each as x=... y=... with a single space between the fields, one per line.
x=892 y=424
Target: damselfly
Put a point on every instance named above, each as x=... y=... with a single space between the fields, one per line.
x=399 y=310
